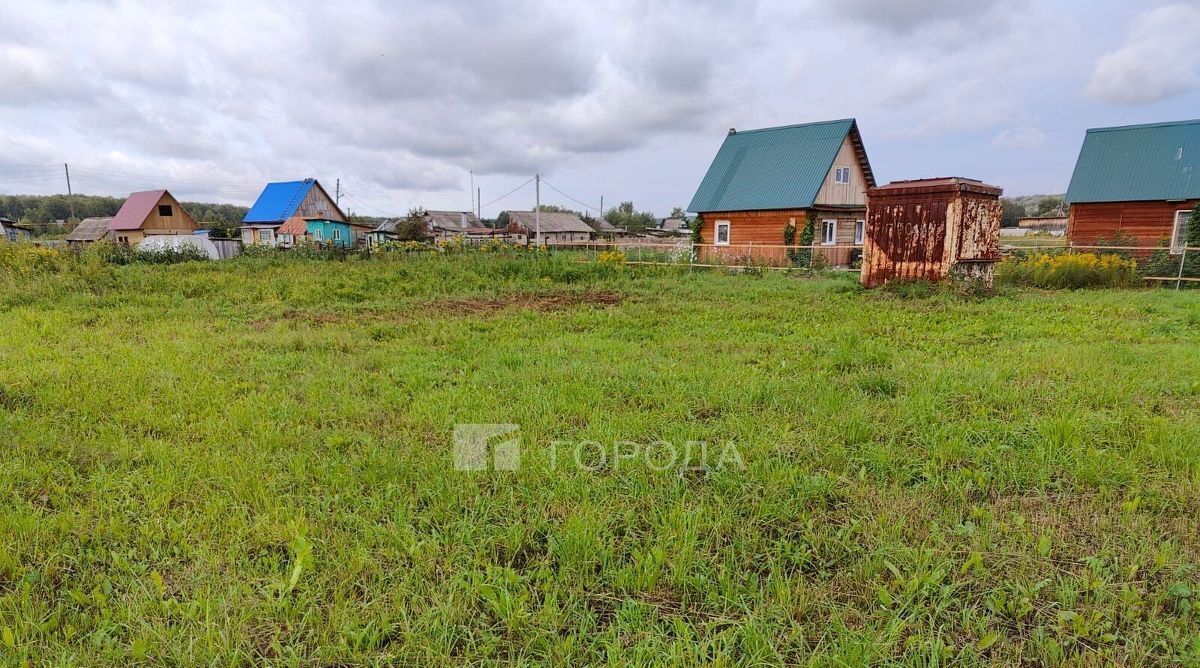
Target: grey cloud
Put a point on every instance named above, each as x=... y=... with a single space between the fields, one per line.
x=1141 y=71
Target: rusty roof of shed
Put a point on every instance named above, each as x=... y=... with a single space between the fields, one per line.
x=944 y=184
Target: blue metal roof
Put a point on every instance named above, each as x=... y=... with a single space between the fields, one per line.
x=278 y=201
x=772 y=168
x=1155 y=162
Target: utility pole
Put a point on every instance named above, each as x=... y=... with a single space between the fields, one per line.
x=478 y=204
x=70 y=195
x=537 y=207
x=337 y=193
x=473 y=189
x=602 y=207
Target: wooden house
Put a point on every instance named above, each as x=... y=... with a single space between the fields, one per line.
x=763 y=181
x=283 y=200
x=1050 y=224
x=448 y=224
x=930 y=229
x=1136 y=183
x=12 y=231
x=150 y=213
x=555 y=227
x=89 y=230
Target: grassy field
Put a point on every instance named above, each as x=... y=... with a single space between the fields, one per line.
x=250 y=462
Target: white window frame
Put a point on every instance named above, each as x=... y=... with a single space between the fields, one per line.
x=285 y=239
x=248 y=236
x=1178 y=231
x=337 y=234
x=826 y=226
x=266 y=236
x=317 y=235
x=841 y=176
x=860 y=232
x=717 y=233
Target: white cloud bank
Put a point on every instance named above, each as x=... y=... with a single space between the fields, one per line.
x=1158 y=61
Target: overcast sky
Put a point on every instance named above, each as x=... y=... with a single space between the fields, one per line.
x=621 y=99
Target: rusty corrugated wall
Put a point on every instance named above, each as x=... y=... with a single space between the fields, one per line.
x=924 y=230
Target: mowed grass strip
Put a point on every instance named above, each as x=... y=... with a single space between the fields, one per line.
x=249 y=462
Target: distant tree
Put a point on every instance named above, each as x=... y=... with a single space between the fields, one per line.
x=1050 y=204
x=678 y=212
x=412 y=226
x=1012 y=212
x=624 y=215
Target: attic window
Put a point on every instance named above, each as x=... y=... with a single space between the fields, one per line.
x=841 y=175
x=164 y=210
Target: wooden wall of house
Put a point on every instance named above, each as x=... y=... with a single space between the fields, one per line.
x=318 y=204
x=765 y=229
x=855 y=192
x=179 y=222
x=1148 y=222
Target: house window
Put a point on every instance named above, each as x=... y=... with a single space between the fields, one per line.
x=267 y=237
x=722 y=233
x=285 y=239
x=829 y=232
x=248 y=236
x=316 y=235
x=337 y=234
x=164 y=210
x=841 y=175
x=860 y=228
x=1179 y=232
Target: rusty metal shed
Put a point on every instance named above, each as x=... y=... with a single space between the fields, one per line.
x=928 y=229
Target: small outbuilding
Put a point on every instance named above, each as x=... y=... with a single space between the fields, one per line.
x=89 y=230
x=13 y=231
x=151 y=213
x=929 y=229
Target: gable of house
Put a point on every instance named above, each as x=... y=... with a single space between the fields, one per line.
x=1154 y=162
x=284 y=199
x=152 y=210
x=785 y=168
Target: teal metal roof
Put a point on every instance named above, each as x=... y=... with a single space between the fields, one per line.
x=773 y=168
x=1155 y=162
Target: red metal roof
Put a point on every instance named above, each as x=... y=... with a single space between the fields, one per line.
x=135 y=209
x=296 y=226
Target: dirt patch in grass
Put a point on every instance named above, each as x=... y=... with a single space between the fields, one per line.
x=543 y=302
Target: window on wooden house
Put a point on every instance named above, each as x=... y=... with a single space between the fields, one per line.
x=285 y=239
x=722 y=238
x=248 y=237
x=317 y=235
x=266 y=236
x=860 y=228
x=829 y=232
x=337 y=234
x=841 y=175
x=164 y=210
x=1179 y=232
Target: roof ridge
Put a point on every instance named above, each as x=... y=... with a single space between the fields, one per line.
x=794 y=125
x=1137 y=126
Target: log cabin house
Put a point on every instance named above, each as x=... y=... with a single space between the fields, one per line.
x=283 y=200
x=1135 y=183
x=556 y=227
x=150 y=213
x=763 y=181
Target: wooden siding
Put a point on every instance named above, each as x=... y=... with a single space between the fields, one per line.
x=765 y=229
x=318 y=204
x=1150 y=223
x=841 y=194
x=179 y=222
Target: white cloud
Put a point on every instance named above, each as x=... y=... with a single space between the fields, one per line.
x=1156 y=62
x=1021 y=137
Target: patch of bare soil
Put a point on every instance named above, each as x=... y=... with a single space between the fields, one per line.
x=542 y=302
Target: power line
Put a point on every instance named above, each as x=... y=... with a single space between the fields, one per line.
x=373 y=208
x=588 y=206
x=507 y=193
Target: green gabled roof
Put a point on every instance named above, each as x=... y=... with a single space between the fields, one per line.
x=1155 y=162
x=775 y=168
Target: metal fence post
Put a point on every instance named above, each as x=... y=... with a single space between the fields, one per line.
x=1179 y=277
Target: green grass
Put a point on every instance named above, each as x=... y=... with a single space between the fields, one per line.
x=250 y=462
